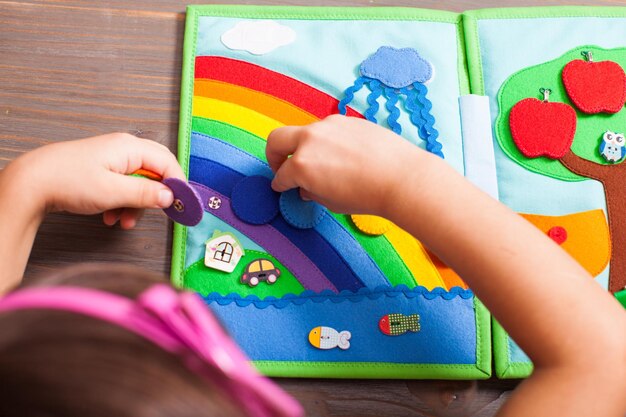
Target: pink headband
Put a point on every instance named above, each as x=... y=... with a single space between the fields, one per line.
x=179 y=323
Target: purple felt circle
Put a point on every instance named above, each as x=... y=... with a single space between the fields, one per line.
x=187 y=207
x=253 y=200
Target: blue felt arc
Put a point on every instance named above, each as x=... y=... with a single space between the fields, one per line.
x=254 y=201
x=307 y=273
x=228 y=155
x=299 y=213
x=293 y=208
x=357 y=259
x=309 y=241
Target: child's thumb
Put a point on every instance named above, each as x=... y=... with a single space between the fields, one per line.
x=141 y=193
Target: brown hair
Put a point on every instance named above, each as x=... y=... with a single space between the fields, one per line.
x=55 y=363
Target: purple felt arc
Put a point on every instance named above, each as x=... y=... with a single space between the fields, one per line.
x=187 y=207
x=299 y=213
x=254 y=201
x=270 y=239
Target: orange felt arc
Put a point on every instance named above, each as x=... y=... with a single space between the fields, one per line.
x=263 y=103
x=585 y=236
x=451 y=278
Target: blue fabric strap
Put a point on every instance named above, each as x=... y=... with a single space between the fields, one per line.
x=310 y=242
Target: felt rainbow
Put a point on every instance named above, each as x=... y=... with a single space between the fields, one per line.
x=249 y=101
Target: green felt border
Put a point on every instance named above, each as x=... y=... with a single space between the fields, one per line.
x=504 y=368
x=470 y=29
x=482 y=368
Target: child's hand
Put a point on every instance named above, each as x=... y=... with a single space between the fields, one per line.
x=347 y=164
x=90 y=176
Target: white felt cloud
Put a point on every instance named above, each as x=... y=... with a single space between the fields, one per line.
x=258 y=36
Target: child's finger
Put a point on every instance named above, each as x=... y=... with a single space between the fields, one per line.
x=130 y=217
x=134 y=192
x=281 y=143
x=110 y=217
x=285 y=178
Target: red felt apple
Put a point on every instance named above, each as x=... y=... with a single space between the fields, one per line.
x=542 y=128
x=595 y=87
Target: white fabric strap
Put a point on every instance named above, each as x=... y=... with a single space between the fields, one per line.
x=480 y=163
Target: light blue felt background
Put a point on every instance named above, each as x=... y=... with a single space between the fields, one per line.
x=510 y=45
x=327 y=55
x=447 y=334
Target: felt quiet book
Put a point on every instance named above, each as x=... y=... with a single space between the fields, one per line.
x=526 y=103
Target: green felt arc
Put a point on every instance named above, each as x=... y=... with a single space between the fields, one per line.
x=242 y=139
x=205 y=280
x=590 y=128
x=377 y=247
x=382 y=252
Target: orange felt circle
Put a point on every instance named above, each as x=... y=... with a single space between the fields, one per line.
x=371 y=225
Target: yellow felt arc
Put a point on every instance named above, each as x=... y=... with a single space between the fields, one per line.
x=415 y=257
x=262 y=103
x=233 y=114
x=371 y=225
x=588 y=239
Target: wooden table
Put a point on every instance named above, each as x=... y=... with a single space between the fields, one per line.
x=75 y=68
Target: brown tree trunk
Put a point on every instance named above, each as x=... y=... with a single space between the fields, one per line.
x=613 y=179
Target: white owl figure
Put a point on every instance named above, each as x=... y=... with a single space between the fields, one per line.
x=612 y=146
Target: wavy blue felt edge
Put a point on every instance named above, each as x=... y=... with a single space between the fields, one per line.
x=342 y=296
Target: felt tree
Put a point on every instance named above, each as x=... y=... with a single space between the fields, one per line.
x=566 y=119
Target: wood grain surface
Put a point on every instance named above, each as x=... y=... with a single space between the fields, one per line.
x=75 y=68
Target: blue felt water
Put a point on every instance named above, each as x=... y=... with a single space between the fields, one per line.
x=447 y=334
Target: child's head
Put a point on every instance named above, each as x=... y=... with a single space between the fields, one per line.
x=63 y=363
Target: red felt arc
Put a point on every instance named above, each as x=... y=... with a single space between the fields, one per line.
x=595 y=87
x=257 y=78
x=541 y=128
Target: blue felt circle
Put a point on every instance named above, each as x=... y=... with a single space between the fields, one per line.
x=253 y=200
x=299 y=213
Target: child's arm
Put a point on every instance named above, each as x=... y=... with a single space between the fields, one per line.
x=574 y=331
x=84 y=177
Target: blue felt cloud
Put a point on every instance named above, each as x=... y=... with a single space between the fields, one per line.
x=397 y=68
